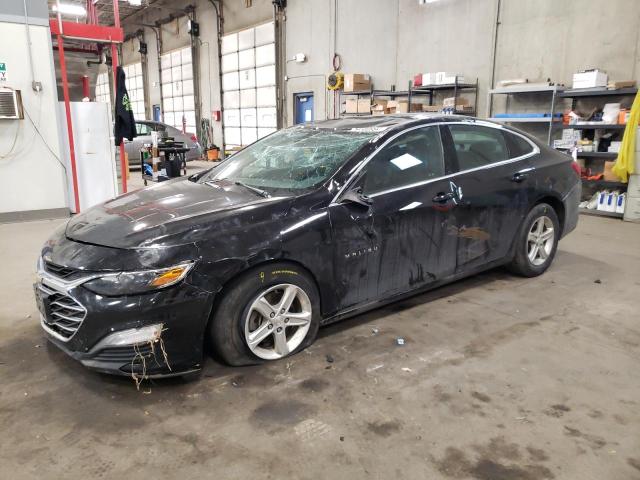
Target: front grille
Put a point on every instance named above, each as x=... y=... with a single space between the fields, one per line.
x=125 y=354
x=59 y=270
x=64 y=314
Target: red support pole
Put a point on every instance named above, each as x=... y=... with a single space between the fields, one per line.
x=67 y=108
x=123 y=163
x=85 y=86
x=114 y=60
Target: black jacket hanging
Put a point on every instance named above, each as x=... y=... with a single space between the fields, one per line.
x=125 y=125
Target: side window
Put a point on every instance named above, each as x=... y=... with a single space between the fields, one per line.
x=143 y=129
x=518 y=146
x=477 y=146
x=413 y=157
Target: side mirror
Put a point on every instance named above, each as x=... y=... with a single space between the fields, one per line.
x=356 y=196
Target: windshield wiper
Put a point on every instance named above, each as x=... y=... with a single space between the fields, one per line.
x=262 y=193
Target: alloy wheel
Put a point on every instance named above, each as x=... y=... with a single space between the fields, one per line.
x=277 y=321
x=540 y=240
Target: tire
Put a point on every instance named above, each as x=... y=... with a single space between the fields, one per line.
x=526 y=261
x=237 y=319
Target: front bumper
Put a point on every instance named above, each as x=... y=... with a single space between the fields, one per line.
x=180 y=314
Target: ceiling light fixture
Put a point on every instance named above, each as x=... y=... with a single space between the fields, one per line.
x=72 y=10
x=135 y=3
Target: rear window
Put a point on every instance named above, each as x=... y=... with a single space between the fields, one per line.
x=518 y=146
x=477 y=146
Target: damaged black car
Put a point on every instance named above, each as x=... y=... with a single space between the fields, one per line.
x=305 y=227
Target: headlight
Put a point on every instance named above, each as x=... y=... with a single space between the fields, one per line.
x=124 y=283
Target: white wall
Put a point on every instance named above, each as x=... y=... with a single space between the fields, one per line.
x=31 y=178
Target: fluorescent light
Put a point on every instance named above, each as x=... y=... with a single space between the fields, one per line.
x=73 y=10
x=405 y=161
x=135 y=3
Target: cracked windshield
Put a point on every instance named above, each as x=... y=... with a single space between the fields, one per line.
x=294 y=159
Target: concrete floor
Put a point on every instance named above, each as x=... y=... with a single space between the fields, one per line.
x=500 y=378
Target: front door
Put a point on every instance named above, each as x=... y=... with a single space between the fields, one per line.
x=303 y=107
x=396 y=239
x=493 y=189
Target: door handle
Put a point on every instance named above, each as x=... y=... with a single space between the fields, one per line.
x=443 y=197
x=519 y=177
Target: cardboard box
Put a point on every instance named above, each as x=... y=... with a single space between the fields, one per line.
x=632 y=209
x=379 y=107
x=403 y=107
x=431 y=108
x=609 y=176
x=445 y=78
x=590 y=79
x=351 y=105
x=429 y=78
x=451 y=101
x=392 y=106
x=356 y=81
x=621 y=84
x=364 y=105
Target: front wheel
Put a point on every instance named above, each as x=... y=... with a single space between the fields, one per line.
x=269 y=313
x=537 y=242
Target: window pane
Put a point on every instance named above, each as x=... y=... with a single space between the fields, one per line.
x=232 y=136
x=165 y=61
x=246 y=39
x=267 y=117
x=265 y=34
x=189 y=102
x=266 y=97
x=478 y=146
x=266 y=55
x=266 y=76
x=175 y=58
x=231 y=99
x=249 y=135
x=229 y=62
x=168 y=118
x=186 y=55
x=248 y=98
x=166 y=76
x=168 y=104
x=247 y=59
x=248 y=117
x=412 y=157
x=187 y=87
x=231 y=117
x=263 y=132
x=518 y=146
x=230 y=44
x=247 y=78
x=187 y=71
x=230 y=81
x=190 y=116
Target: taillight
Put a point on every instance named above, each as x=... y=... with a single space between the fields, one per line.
x=194 y=138
x=576 y=167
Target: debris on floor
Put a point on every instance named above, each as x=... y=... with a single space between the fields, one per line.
x=329 y=358
x=400 y=341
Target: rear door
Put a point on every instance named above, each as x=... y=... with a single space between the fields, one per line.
x=494 y=190
x=399 y=242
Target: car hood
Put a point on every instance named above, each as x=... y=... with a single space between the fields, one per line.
x=173 y=213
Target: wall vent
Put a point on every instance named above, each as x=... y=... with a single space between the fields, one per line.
x=10 y=104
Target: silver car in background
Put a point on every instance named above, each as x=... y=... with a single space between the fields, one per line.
x=144 y=129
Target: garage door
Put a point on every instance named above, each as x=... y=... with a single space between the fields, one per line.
x=178 y=101
x=103 y=88
x=135 y=88
x=249 y=85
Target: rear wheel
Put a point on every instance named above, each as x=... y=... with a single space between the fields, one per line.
x=537 y=242
x=269 y=313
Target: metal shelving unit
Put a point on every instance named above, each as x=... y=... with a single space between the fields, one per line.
x=597 y=92
x=411 y=92
x=551 y=90
x=456 y=88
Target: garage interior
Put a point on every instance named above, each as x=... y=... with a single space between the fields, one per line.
x=491 y=377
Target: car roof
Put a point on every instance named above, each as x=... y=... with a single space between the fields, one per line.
x=384 y=122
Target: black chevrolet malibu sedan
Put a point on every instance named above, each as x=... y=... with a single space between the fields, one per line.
x=305 y=227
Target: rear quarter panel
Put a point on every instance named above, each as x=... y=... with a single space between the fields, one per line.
x=554 y=177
